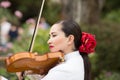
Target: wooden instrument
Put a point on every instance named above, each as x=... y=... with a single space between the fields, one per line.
x=29 y=61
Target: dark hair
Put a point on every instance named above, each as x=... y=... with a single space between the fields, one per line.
x=71 y=27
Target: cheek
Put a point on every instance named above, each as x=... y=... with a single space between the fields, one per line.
x=60 y=43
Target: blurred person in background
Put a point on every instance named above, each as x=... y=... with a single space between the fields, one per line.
x=31 y=26
x=4 y=29
x=43 y=24
x=13 y=33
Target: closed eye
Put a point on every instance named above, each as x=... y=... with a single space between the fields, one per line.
x=54 y=35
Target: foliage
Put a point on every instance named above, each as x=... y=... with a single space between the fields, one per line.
x=5 y=13
x=108 y=40
x=113 y=16
x=23 y=44
x=10 y=76
x=107 y=50
x=25 y=6
x=52 y=12
x=111 y=5
x=108 y=76
x=41 y=41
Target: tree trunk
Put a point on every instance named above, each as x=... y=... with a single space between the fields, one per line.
x=71 y=9
x=91 y=10
x=82 y=11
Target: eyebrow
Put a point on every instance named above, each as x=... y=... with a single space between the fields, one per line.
x=52 y=33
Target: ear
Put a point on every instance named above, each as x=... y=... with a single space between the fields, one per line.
x=70 y=39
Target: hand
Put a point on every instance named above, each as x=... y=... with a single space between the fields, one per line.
x=29 y=72
x=19 y=75
x=41 y=72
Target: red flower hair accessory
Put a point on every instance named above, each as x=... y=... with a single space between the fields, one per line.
x=88 y=43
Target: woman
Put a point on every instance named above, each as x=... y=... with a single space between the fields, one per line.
x=66 y=36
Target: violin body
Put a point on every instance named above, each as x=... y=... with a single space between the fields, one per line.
x=29 y=61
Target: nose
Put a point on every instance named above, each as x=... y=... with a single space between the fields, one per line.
x=49 y=41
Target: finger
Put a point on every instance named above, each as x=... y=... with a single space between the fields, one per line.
x=28 y=72
x=36 y=53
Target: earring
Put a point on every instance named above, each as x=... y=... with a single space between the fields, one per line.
x=62 y=59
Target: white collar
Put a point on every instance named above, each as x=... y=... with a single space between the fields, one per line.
x=71 y=55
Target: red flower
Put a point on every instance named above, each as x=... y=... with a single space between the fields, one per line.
x=88 y=43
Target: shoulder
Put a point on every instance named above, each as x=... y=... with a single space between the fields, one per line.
x=72 y=65
x=67 y=69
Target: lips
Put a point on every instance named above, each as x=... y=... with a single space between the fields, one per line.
x=51 y=47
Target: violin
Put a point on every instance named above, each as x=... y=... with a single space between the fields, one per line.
x=23 y=61
x=28 y=61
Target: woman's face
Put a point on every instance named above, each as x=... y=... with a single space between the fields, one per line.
x=57 y=40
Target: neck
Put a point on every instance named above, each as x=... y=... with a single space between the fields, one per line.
x=69 y=49
x=67 y=52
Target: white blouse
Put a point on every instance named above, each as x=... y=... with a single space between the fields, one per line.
x=71 y=69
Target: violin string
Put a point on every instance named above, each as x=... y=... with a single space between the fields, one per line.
x=36 y=27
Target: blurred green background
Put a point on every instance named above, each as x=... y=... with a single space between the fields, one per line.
x=99 y=17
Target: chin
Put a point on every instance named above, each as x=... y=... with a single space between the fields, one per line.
x=54 y=50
